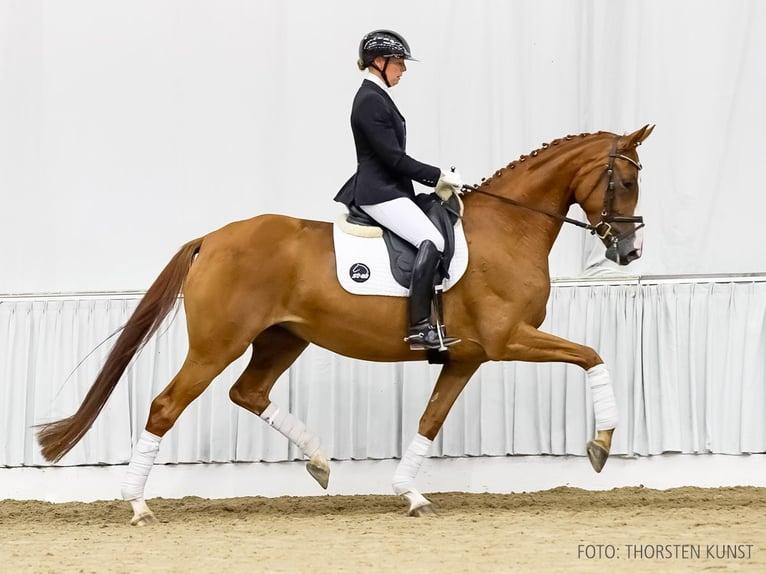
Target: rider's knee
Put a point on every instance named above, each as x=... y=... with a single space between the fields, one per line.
x=437 y=240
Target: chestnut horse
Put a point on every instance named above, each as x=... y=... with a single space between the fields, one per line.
x=270 y=283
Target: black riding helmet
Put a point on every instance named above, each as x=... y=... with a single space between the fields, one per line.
x=386 y=43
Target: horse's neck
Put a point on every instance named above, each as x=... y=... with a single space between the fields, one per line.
x=540 y=184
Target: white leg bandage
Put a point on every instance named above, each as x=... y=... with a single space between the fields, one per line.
x=604 y=403
x=404 y=476
x=293 y=428
x=144 y=453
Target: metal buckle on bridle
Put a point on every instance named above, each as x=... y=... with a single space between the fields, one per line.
x=599 y=226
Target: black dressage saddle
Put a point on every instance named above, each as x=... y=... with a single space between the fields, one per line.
x=401 y=254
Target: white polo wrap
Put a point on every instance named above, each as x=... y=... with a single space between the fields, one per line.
x=141 y=461
x=604 y=403
x=408 y=467
x=293 y=428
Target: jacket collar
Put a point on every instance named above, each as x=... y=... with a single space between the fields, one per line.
x=377 y=81
x=377 y=84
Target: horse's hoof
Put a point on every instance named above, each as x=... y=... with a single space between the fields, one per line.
x=422 y=510
x=318 y=468
x=143 y=519
x=597 y=453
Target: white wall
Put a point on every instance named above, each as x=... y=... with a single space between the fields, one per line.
x=465 y=474
x=127 y=128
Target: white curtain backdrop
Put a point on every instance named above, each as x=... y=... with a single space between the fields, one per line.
x=687 y=361
x=127 y=128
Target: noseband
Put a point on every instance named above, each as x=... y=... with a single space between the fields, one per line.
x=603 y=229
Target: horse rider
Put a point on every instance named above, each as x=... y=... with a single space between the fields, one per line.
x=382 y=185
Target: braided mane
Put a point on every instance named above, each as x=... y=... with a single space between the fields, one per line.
x=485 y=182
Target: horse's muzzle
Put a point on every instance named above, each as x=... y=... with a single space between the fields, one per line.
x=626 y=245
x=623 y=251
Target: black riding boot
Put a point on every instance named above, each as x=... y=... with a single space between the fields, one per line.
x=422 y=333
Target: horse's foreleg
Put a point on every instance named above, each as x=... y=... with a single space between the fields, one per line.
x=605 y=411
x=273 y=352
x=530 y=344
x=451 y=381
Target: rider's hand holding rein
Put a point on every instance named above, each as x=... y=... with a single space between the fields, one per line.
x=450 y=182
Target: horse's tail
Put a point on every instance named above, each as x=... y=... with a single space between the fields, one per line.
x=57 y=438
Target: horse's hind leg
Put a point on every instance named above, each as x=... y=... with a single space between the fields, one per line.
x=274 y=350
x=451 y=381
x=198 y=370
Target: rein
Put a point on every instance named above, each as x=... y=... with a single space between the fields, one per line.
x=603 y=228
x=475 y=189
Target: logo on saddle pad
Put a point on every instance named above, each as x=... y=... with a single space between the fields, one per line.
x=374 y=276
x=359 y=272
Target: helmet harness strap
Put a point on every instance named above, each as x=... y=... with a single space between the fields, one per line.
x=383 y=71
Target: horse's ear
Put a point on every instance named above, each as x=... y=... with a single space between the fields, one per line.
x=638 y=136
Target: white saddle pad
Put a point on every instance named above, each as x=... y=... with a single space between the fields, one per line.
x=363 y=267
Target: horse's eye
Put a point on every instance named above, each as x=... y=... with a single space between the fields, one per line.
x=629 y=183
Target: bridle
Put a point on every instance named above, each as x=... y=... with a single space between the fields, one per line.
x=603 y=229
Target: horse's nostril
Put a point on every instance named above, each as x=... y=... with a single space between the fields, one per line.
x=632 y=256
x=622 y=258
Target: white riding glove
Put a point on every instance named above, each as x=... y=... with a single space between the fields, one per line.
x=450 y=182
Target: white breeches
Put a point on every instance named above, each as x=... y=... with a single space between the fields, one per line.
x=407 y=220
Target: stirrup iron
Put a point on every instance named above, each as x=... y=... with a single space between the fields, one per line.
x=426 y=337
